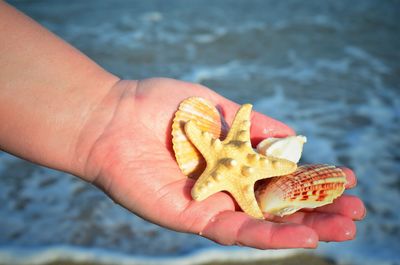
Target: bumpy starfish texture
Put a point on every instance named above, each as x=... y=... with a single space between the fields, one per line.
x=232 y=164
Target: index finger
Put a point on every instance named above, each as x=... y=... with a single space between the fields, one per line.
x=264 y=127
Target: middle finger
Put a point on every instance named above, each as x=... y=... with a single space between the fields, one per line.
x=329 y=227
x=347 y=205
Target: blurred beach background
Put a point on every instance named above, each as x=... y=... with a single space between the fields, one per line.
x=330 y=69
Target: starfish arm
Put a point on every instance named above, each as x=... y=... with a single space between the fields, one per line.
x=274 y=167
x=240 y=129
x=206 y=185
x=246 y=199
x=203 y=141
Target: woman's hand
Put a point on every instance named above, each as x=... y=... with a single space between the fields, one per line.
x=132 y=160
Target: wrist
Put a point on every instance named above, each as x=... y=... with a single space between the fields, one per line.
x=93 y=142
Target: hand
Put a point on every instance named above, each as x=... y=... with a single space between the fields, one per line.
x=133 y=162
x=51 y=113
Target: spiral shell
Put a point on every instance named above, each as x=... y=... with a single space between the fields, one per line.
x=309 y=186
x=208 y=119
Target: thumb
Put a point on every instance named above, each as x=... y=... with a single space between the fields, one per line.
x=262 y=126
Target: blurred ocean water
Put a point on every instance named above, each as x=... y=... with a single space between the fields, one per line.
x=330 y=69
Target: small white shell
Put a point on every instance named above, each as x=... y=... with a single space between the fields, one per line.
x=289 y=148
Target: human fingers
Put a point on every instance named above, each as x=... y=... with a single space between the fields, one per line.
x=262 y=126
x=237 y=228
x=328 y=226
x=351 y=179
x=346 y=205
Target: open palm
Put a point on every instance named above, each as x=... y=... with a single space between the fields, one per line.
x=133 y=162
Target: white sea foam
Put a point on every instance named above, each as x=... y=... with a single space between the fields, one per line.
x=44 y=255
x=201 y=73
x=33 y=256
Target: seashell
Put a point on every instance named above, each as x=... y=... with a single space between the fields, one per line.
x=289 y=148
x=208 y=119
x=309 y=186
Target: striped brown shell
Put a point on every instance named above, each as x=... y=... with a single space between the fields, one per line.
x=309 y=186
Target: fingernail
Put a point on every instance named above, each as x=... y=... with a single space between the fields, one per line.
x=359 y=213
x=364 y=214
x=350 y=232
x=311 y=241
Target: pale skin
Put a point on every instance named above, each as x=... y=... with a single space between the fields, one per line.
x=61 y=110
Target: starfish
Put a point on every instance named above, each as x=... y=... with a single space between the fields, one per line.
x=232 y=164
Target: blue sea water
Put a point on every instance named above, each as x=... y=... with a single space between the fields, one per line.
x=331 y=70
